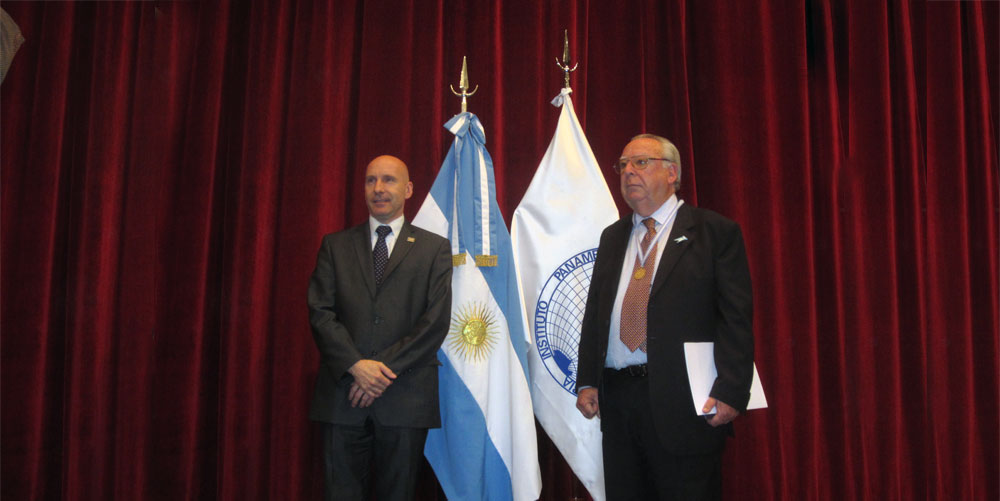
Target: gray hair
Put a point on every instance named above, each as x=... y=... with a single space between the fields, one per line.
x=668 y=151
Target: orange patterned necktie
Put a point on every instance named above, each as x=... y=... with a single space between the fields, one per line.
x=633 y=328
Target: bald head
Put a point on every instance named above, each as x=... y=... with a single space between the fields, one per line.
x=387 y=186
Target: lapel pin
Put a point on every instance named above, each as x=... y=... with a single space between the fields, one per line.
x=411 y=239
x=680 y=239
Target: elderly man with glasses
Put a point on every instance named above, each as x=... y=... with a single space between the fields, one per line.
x=665 y=275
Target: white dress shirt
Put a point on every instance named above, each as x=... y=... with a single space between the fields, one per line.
x=619 y=355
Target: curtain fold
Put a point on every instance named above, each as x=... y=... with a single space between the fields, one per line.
x=167 y=170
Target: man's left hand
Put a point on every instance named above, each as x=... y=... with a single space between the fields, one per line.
x=724 y=413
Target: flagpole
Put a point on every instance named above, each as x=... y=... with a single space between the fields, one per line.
x=564 y=66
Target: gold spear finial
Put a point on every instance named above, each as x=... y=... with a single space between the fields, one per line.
x=565 y=59
x=565 y=47
x=463 y=85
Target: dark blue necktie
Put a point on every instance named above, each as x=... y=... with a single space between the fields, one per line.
x=380 y=255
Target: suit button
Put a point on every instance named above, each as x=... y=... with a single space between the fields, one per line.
x=374 y=352
x=378 y=320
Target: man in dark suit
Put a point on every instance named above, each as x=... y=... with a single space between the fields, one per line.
x=668 y=274
x=380 y=307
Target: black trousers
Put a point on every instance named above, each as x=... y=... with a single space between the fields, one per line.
x=636 y=465
x=352 y=453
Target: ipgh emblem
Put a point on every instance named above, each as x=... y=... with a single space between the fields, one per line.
x=559 y=315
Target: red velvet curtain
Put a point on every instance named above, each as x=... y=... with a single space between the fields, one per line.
x=169 y=168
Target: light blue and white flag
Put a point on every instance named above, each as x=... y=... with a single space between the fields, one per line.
x=555 y=230
x=486 y=447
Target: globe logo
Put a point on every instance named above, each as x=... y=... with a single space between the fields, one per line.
x=559 y=315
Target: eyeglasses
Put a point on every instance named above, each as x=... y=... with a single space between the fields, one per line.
x=639 y=162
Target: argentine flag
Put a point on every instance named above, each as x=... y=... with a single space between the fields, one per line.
x=486 y=447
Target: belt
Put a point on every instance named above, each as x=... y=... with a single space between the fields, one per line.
x=632 y=370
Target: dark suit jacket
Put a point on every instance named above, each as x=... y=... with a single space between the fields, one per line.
x=402 y=323
x=701 y=292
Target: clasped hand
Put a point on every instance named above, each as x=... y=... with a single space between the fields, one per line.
x=371 y=378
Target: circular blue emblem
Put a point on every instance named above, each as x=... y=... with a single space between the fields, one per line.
x=559 y=315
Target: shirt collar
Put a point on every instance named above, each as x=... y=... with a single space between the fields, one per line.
x=660 y=215
x=395 y=224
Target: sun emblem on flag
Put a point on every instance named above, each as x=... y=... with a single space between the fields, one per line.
x=473 y=331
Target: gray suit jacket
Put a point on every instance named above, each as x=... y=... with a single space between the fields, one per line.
x=701 y=292
x=401 y=323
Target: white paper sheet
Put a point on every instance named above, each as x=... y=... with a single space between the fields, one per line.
x=701 y=373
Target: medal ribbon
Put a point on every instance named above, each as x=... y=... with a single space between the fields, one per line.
x=641 y=253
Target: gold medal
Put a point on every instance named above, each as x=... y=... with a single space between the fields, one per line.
x=641 y=272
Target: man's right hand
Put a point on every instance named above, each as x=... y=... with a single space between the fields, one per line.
x=372 y=376
x=586 y=401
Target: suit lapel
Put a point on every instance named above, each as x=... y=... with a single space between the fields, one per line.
x=676 y=243
x=621 y=234
x=363 y=248
x=404 y=242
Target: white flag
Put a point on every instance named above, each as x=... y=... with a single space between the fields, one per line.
x=555 y=233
